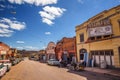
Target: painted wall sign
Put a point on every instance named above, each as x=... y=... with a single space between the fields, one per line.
x=99 y=31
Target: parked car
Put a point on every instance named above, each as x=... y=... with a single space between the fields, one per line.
x=6 y=63
x=3 y=69
x=53 y=62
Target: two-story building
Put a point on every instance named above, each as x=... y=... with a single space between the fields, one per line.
x=66 y=49
x=4 y=51
x=50 y=50
x=99 y=39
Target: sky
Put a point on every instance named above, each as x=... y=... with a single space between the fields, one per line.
x=32 y=24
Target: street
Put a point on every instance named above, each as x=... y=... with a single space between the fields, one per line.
x=33 y=70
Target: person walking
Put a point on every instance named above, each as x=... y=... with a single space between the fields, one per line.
x=60 y=62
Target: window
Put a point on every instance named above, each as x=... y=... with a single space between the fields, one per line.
x=101 y=52
x=98 y=37
x=92 y=38
x=107 y=52
x=81 y=37
x=106 y=36
x=119 y=53
x=119 y=24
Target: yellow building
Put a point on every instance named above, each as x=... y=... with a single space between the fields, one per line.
x=99 y=39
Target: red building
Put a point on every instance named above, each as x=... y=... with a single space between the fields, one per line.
x=66 y=48
x=4 y=51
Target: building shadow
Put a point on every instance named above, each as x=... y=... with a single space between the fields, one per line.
x=94 y=76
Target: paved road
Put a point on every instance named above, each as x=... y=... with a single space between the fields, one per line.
x=32 y=70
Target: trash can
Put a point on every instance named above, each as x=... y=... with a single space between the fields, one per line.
x=103 y=64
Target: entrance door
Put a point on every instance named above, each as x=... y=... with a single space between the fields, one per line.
x=82 y=54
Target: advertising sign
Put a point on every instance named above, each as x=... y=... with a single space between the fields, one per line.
x=3 y=52
x=99 y=31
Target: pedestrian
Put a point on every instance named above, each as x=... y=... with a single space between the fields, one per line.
x=60 y=62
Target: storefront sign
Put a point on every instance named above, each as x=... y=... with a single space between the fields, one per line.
x=99 y=31
x=3 y=52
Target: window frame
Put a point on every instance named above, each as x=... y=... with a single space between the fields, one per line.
x=81 y=37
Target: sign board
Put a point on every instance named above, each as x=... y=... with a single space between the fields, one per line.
x=3 y=52
x=99 y=31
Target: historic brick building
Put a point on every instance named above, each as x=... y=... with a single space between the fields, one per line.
x=66 y=48
x=4 y=51
x=99 y=38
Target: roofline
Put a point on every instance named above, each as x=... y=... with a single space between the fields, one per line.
x=97 y=15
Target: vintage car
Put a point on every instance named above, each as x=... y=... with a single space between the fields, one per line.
x=3 y=69
x=53 y=62
x=6 y=63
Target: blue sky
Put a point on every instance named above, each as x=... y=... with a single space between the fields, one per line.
x=32 y=24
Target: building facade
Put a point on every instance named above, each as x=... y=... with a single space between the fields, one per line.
x=4 y=51
x=42 y=55
x=98 y=39
x=13 y=52
x=66 y=49
x=50 y=50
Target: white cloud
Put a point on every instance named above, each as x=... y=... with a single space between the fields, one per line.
x=54 y=10
x=17 y=25
x=51 y=13
x=8 y=26
x=20 y=42
x=44 y=47
x=35 y=2
x=5 y=31
x=47 y=33
x=5 y=35
x=16 y=1
x=13 y=24
x=47 y=21
x=46 y=15
x=4 y=26
x=20 y=48
x=31 y=48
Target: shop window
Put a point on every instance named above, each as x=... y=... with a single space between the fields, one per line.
x=101 y=52
x=96 y=53
x=107 y=52
x=81 y=37
x=92 y=52
x=92 y=38
x=98 y=37
x=106 y=36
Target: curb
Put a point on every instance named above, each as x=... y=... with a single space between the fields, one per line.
x=117 y=75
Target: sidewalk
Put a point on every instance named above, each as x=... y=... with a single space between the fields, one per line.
x=104 y=71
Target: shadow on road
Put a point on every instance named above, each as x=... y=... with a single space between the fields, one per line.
x=94 y=76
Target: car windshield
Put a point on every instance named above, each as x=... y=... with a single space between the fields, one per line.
x=53 y=60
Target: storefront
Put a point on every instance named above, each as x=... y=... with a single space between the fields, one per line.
x=106 y=56
x=50 y=51
x=98 y=39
